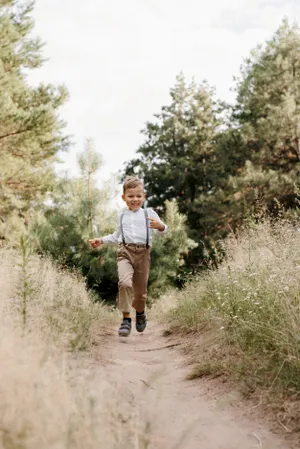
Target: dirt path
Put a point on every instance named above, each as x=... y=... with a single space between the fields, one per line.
x=170 y=412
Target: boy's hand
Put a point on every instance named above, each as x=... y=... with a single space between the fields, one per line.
x=155 y=224
x=95 y=242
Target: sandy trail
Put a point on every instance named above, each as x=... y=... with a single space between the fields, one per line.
x=170 y=412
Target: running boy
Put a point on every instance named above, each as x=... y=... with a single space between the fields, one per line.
x=134 y=237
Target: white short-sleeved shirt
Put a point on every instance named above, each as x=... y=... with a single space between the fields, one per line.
x=134 y=228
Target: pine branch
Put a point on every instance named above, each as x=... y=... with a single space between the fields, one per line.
x=15 y=133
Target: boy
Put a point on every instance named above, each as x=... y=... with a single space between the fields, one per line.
x=133 y=235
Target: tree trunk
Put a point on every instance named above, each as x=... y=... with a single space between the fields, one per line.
x=90 y=171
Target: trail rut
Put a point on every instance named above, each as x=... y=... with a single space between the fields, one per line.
x=148 y=374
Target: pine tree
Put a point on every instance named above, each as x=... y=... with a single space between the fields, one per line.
x=30 y=131
x=78 y=212
x=268 y=114
x=178 y=150
x=90 y=163
x=169 y=253
x=219 y=164
x=181 y=160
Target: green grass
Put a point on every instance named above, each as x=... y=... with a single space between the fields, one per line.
x=245 y=316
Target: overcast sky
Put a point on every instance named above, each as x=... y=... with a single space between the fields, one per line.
x=119 y=58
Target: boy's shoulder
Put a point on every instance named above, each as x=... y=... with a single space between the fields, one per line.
x=150 y=211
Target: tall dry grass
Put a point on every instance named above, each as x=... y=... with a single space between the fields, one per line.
x=47 y=398
x=54 y=303
x=245 y=316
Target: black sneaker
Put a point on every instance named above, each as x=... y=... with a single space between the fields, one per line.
x=125 y=328
x=141 y=322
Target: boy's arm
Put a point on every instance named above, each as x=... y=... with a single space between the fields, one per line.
x=154 y=216
x=111 y=239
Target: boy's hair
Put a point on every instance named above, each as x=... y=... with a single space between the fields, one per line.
x=131 y=182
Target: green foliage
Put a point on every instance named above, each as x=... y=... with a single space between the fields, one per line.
x=188 y=156
x=177 y=155
x=268 y=113
x=223 y=164
x=89 y=163
x=178 y=159
x=247 y=312
x=78 y=212
x=217 y=164
x=167 y=255
x=31 y=133
x=60 y=236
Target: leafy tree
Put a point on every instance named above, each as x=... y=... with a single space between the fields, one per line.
x=268 y=115
x=223 y=166
x=184 y=157
x=178 y=150
x=31 y=132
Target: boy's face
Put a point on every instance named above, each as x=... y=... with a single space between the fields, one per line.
x=134 y=198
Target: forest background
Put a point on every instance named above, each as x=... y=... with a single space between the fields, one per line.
x=208 y=166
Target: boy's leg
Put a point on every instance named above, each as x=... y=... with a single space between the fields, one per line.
x=125 y=274
x=140 y=282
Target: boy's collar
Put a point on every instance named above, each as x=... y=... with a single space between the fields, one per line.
x=134 y=211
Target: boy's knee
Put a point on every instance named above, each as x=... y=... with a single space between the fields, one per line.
x=140 y=296
x=125 y=283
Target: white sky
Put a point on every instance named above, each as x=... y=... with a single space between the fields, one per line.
x=119 y=58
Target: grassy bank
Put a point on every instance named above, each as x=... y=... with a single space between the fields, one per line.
x=244 y=318
x=53 y=303
x=47 y=399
